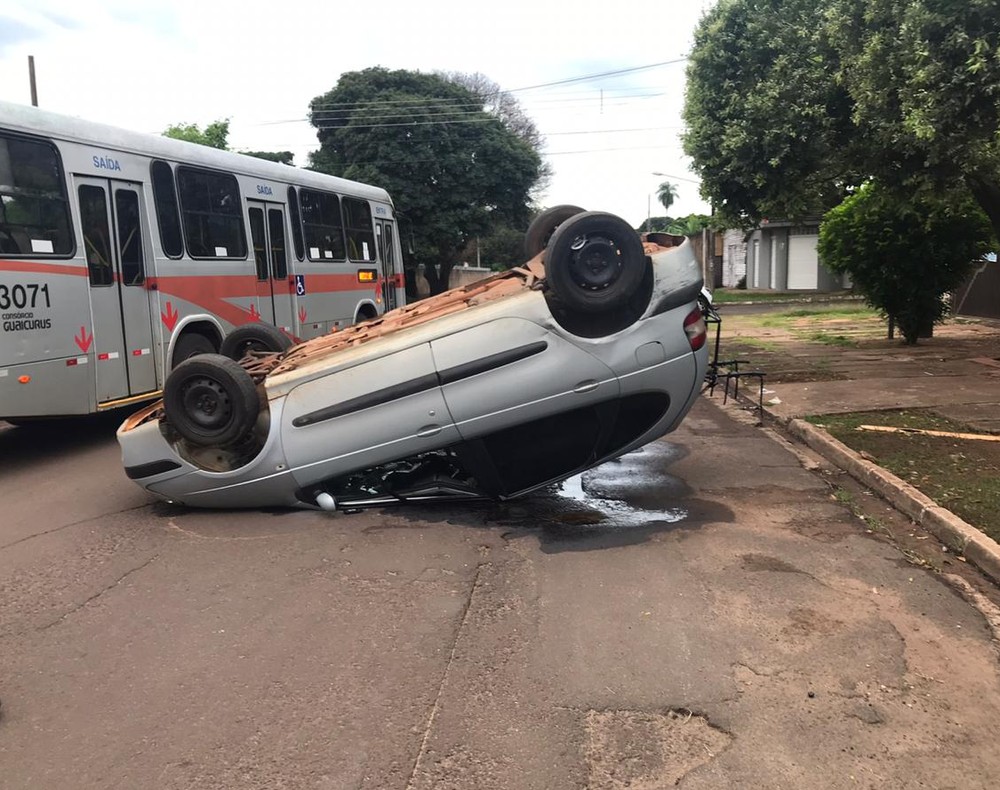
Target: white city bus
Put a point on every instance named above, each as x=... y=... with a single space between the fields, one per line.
x=122 y=254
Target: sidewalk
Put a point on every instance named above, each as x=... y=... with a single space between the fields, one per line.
x=955 y=375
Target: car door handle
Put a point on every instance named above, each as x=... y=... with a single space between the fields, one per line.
x=586 y=386
x=429 y=430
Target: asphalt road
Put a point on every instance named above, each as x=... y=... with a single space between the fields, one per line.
x=703 y=612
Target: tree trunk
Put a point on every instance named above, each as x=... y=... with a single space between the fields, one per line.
x=438 y=277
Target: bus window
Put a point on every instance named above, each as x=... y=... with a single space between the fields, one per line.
x=324 y=231
x=259 y=242
x=34 y=214
x=279 y=260
x=165 y=198
x=129 y=237
x=360 y=232
x=293 y=207
x=210 y=207
x=94 y=217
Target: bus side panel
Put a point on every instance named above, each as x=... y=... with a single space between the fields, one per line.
x=50 y=388
x=46 y=338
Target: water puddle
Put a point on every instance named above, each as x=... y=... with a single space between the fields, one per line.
x=615 y=512
x=620 y=503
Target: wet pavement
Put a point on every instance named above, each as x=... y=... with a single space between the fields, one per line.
x=702 y=613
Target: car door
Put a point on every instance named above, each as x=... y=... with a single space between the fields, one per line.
x=534 y=403
x=387 y=407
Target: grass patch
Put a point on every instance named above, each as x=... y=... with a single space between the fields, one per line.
x=962 y=475
x=843 y=326
x=736 y=296
x=792 y=319
x=756 y=342
x=832 y=340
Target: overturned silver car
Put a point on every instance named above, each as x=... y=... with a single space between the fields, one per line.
x=593 y=348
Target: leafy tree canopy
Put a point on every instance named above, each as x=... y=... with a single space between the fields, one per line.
x=281 y=157
x=509 y=110
x=215 y=135
x=904 y=254
x=502 y=248
x=454 y=170
x=790 y=103
x=666 y=193
x=690 y=225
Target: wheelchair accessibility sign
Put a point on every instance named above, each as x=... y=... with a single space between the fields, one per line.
x=300 y=284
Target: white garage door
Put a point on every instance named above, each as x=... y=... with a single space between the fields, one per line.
x=803 y=263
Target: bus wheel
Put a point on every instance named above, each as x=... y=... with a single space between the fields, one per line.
x=211 y=400
x=254 y=337
x=190 y=344
x=366 y=313
x=594 y=262
x=544 y=225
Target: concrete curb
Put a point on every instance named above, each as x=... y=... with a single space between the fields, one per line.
x=959 y=536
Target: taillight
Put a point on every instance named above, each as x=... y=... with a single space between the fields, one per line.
x=695 y=329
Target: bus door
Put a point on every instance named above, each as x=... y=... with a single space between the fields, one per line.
x=385 y=232
x=111 y=215
x=274 y=294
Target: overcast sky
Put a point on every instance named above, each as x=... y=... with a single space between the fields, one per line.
x=146 y=64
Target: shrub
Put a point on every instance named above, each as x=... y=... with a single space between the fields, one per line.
x=904 y=254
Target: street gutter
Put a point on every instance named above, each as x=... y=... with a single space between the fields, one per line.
x=957 y=534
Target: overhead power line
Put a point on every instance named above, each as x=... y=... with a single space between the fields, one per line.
x=587 y=77
x=487 y=97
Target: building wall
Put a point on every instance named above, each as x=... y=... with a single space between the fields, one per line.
x=774 y=237
x=734 y=257
x=980 y=295
x=464 y=275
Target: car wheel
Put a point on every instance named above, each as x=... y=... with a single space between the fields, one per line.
x=210 y=400
x=190 y=345
x=254 y=337
x=594 y=262
x=544 y=225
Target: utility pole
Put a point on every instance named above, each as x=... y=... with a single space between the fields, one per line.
x=31 y=77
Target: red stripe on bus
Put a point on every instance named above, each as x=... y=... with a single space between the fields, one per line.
x=212 y=293
x=209 y=292
x=37 y=267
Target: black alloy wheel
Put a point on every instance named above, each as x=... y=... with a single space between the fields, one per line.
x=594 y=262
x=210 y=400
x=544 y=225
x=254 y=337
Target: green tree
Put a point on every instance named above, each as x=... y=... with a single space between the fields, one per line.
x=454 y=170
x=691 y=225
x=215 y=135
x=655 y=225
x=924 y=77
x=767 y=124
x=791 y=103
x=502 y=248
x=509 y=110
x=666 y=193
x=904 y=255
x=281 y=157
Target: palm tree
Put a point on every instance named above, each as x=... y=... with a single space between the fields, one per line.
x=666 y=193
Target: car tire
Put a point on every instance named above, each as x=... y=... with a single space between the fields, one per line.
x=544 y=225
x=210 y=400
x=254 y=337
x=191 y=344
x=594 y=262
